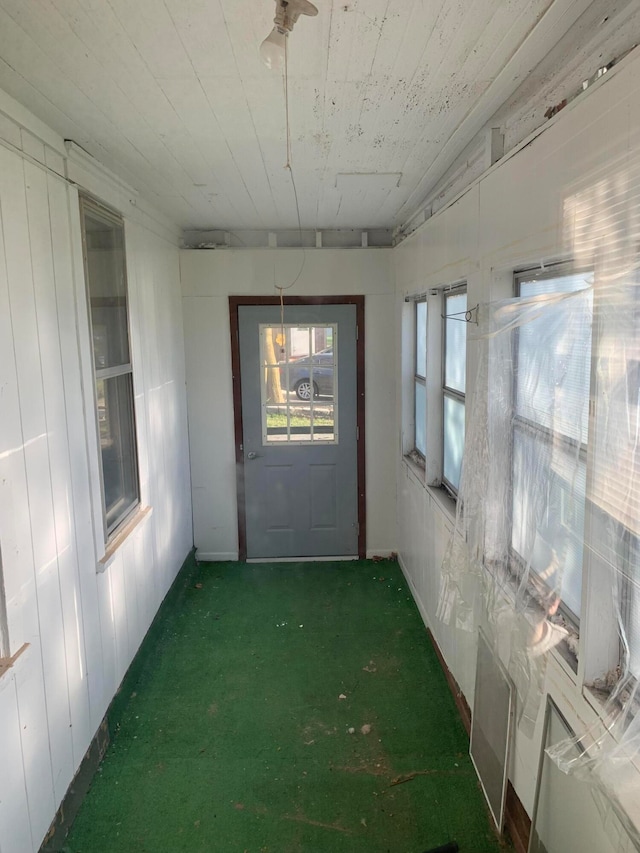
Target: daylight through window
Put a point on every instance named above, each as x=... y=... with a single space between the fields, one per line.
x=105 y=271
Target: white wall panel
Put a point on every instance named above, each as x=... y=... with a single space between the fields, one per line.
x=55 y=638
x=207 y=280
x=15 y=827
x=83 y=618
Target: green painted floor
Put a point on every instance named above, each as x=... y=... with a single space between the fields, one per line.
x=282 y=708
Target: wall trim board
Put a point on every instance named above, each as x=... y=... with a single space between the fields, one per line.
x=458 y=696
x=77 y=791
x=96 y=179
x=21 y=116
x=422 y=215
x=217 y=556
x=54 y=841
x=359 y=301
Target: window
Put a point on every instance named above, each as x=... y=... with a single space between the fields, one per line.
x=420 y=378
x=454 y=385
x=300 y=383
x=106 y=279
x=549 y=462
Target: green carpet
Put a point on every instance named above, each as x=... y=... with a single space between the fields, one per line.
x=232 y=732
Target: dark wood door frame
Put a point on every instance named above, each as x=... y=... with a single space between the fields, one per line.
x=234 y=303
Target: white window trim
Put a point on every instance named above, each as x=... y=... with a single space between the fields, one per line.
x=106 y=539
x=429 y=470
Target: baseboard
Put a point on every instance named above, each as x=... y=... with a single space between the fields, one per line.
x=458 y=696
x=77 y=791
x=516 y=820
x=381 y=553
x=217 y=556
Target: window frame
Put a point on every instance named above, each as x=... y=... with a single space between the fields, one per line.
x=95 y=208
x=418 y=379
x=445 y=391
x=547 y=436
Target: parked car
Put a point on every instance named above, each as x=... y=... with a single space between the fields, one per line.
x=310 y=373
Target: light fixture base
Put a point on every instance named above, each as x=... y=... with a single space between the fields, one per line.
x=288 y=12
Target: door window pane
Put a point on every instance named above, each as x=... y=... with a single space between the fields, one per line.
x=299 y=388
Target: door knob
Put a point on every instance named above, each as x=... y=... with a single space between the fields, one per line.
x=251 y=454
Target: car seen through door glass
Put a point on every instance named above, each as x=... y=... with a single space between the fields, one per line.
x=310 y=375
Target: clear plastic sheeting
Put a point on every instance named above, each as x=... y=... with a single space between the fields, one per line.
x=546 y=549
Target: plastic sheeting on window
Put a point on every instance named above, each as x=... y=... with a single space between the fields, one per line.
x=546 y=549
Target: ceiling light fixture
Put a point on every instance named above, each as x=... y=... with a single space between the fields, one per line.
x=273 y=48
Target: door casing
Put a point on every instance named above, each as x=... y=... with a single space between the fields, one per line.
x=234 y=303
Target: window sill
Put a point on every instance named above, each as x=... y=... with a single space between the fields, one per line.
x=443 y=500
x=440 y=496
x=416 y=469
x=6 y=664
x=121 y=536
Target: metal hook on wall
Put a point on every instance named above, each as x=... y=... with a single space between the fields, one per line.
x=468 y=316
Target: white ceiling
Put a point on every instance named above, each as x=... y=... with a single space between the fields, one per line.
x=171 y=94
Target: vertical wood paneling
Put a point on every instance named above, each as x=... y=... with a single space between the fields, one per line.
x=118 y=605
x=16 y=543
x=68 y=266
x=83 y=628
x=15 y=831
x=52 y=576
x=62 y=472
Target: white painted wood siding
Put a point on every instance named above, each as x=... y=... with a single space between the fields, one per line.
x=83 y=626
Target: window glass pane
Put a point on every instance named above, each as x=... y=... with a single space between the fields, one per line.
x=421 y=418
x=104 y=249
x=554 y=362
x=630 y=598
x=453 y=440
x=117 y=446
x=549 y=487
x=421 y=339
x=557 y=284
x=456 y=342
x=299 y=396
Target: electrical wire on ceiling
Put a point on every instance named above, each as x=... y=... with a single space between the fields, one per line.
x=289 y=167
x=274 y=52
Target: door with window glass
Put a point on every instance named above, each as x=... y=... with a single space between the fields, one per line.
x=299 y=448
